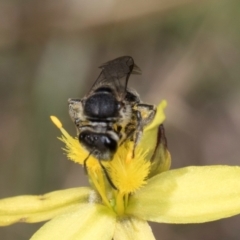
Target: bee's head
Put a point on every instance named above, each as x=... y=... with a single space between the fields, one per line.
x=102 y=146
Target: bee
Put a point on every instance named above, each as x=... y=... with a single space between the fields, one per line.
x=110 y=113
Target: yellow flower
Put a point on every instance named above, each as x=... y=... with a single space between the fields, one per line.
x=146 y=190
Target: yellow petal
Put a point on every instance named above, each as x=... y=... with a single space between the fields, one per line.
x=153 y=140
x=133 y=228
x=42 y=207
x=189 y=195
x=161 y=158
x=88 y=222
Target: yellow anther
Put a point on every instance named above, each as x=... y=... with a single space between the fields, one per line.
x=56 y=121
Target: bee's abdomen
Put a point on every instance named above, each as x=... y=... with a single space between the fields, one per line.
x=101 y=105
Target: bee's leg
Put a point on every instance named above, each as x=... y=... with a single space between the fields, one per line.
x=148 y=112
x=138 y=133
x=107 y=176
x=144 y=114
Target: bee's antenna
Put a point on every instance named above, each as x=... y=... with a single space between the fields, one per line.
x=103 y=168
x=85 y=162
x=107 y=176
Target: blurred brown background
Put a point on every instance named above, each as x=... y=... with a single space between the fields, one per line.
x=189 y=53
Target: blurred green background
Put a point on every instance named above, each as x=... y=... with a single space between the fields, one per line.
x=189 y=53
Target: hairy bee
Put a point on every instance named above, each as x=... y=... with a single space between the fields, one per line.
x=110 y=113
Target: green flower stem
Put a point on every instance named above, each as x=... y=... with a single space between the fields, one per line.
x=126 y=197
x=120 y=204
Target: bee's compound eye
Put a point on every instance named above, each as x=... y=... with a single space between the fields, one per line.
x=110 y=143
x=87 y=137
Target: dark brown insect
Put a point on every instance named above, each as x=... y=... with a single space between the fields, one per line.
x=110 y=113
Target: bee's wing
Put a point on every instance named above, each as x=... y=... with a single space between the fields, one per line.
x=115 y=74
